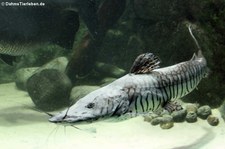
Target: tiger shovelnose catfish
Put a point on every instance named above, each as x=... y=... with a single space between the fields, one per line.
x=146 y=88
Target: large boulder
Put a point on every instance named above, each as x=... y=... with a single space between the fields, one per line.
x=49 y=89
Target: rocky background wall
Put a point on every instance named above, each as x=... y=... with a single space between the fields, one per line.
x=160 y=27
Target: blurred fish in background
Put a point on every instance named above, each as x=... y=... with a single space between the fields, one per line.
x=23 y=28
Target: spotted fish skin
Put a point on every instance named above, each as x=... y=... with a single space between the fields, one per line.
x=138 y=93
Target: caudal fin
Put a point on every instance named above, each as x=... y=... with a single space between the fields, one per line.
x=200 y=55
x=193 y=37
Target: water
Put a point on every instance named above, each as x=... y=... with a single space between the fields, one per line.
x=93 y=47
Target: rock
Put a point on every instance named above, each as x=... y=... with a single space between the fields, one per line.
x=22 y=75
x=165 y=121
x=80 y=91
x=106 y=81
x=166 y=125
x=49 y=89
x=150 y=117
x=157 y=121
x=109 y=70
x=204 y=111
x=212 y=120
x=164 y=112
x=191 y=117
x=191 y=107
x=179 y=116
x=59 y=64
x=41 y=54
x=167 y=118
x=222 y=110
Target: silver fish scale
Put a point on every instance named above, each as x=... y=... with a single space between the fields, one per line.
x=149 y=92
x=15 y=49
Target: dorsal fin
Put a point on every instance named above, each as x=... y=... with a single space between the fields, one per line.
x=145 y=63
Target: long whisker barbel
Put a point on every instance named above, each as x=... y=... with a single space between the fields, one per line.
x=38 y=110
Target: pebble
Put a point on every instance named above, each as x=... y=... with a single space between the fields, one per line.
x=167 y=125
x=179 y=116
x=160 y=120
x=190 y=107
x=204 y=111
x=164 y=112
x=190 y=113
x=157 y=121
x=150 y=117
x=167 y=118
x=191 y=117
x=212 y=120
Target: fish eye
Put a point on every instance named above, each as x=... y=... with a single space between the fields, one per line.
x=90 y=105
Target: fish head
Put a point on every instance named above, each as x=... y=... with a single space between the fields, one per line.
x=92 y=107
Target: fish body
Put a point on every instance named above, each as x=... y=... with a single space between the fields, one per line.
x=145 y=89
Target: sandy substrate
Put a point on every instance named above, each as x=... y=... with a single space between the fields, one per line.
x=24 y=128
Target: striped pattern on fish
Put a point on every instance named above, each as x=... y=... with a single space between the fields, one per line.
x=149 y=92
x=139 y=92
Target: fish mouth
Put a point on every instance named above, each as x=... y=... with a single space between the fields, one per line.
x=71 y=119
